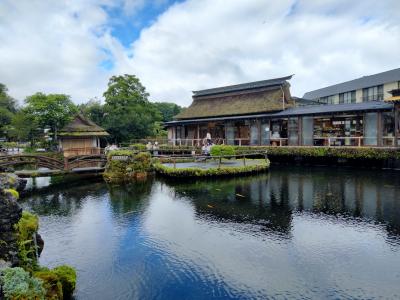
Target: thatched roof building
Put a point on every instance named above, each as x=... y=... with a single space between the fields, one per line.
x=81 y=137
x=82 y=127
x=242 y=99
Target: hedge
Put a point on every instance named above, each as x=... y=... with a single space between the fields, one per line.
x=222 y=171
x=348 y=153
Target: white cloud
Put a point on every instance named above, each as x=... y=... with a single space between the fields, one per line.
x=203 y=44
x=59 y=46
x=52 y=46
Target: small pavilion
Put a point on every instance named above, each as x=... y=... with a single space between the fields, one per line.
x=81 y=137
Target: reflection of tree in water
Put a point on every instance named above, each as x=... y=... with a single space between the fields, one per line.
x=131 y=197
x=271 y=198
x=62 y=201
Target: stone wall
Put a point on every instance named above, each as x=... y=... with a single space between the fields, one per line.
x=10 y=213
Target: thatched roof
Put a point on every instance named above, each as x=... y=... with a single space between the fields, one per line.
x=259 y=100
x=244 y=86
x=81 y=126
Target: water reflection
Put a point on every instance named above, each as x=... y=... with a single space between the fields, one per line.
x=360 y=195
x=292 y=233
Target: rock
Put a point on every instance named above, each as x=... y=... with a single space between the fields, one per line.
x=12 y=181
x=10 y=213
x=40 y=243
x=4 y=264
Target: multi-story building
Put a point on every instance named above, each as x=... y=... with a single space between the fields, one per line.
x=375 y=87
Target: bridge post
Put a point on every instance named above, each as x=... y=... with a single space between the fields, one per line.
x=66 y=167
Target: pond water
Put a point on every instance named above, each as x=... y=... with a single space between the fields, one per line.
x=298 y=233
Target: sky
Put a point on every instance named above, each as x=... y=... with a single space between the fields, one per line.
x=175 y=47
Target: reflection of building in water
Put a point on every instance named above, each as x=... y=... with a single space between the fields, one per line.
x=270 y=199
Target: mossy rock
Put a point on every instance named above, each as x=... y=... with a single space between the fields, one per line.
x=67 y=276
x=26 y=227
x=12 y=192
x=51 y=283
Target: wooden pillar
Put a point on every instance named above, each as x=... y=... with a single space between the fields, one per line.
x=396 y=124
x=379 y=129
x=300 y=131
x=198 y=135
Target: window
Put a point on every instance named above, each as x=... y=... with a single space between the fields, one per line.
x=348 y=97
x=373 y=93
x=327 y=100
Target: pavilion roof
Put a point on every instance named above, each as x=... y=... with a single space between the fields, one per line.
x=82 y=126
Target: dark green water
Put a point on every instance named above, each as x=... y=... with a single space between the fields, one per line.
x=310 y=233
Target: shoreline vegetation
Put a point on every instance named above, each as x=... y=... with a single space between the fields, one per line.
x=261 y=165
x=21 y=276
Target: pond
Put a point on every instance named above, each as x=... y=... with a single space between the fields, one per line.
x=298 y=233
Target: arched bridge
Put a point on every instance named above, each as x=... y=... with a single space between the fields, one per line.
x=73 y=164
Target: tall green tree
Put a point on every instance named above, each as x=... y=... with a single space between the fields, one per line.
x=24 y=127
x=8 y=106
x=93 y=110
x=128 y=112
x=6 y=101
x=168 y=110
x=52 y=110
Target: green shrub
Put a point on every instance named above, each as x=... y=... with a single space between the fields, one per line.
x=67 y=276
x=29 y=149
x=18 y=284
x=222 y=150
x=140 y=147
x=121 y=170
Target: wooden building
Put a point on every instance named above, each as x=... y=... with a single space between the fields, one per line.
x=81 y=137
x=229 y=113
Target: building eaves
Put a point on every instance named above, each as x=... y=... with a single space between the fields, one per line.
x=300 y=111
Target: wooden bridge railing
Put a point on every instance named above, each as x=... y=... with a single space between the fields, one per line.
x=68 y=163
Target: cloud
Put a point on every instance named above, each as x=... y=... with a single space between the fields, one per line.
x=53 y=46
x=203 y=44
x=70 y=46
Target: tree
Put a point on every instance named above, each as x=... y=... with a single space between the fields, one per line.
x=93 y=110
x=24 y=127
x=5 y=120
x=6 y=101
x=7 y=109
x=124 y=91
x=128 y=112
x=53 y=110
x=168 y=110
